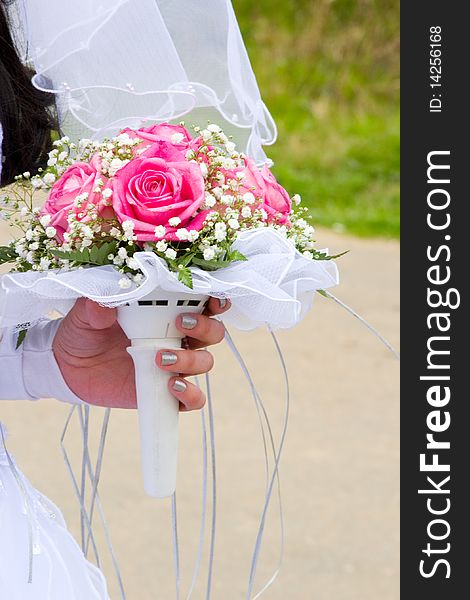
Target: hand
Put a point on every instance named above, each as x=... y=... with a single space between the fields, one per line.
x=90 y=349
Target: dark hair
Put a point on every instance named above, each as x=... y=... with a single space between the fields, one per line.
x=25 y=116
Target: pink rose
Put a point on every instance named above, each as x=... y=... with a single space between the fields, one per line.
x=276 y=201
x=252 y=182
x=158 y=186
x=78 y=179
x=177 y=135
x=272 y=197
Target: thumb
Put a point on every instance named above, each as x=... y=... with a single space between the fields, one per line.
x=100 y=317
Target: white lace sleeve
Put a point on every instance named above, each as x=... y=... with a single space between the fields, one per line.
x=31 y=372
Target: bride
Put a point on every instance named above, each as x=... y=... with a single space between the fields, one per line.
x=39 y=559
x=99 y=67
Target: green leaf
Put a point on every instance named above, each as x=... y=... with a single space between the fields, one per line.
x=211 y=265
x=171 y=263
x=105 y=250
x=338 y=255
x=21 y=337
x=7 y=254
x=214 y=265
x=103 y=253
x=236 y=255
x=184 y=275
x=186 y=260
x=84 y=256
x=94 y=255
x=62 y=254
x=323 y=256
x=24 y=267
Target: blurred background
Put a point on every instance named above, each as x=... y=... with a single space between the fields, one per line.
x=328 y=71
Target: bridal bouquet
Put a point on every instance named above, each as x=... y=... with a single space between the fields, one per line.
x=156 y=189
x=154 y=221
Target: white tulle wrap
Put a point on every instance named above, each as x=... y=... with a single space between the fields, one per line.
x=274 y=286
x=122 y=63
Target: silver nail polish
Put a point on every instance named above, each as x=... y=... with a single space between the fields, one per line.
x=222 y=302
x=179 y=385
x=188 y=322
x=168 y=358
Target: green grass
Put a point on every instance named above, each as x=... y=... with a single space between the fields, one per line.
x=328 y=71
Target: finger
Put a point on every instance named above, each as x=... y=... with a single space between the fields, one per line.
x=100 y=317
x=189 y=395
x=217 y=306
x=200 y=329
x=187 y=362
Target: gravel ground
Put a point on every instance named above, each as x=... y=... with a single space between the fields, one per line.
x=339 y=472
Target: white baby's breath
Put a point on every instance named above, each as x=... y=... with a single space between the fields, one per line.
x=160 y=231
x=182 y=234
x=233 y=223
x=204 y=169
x=230 y=146
x=170 y=253
x=210 y=200
x=193 y=235
x=45 y=220
x=209 y=254
x=177 y=138
x=44 y=264
x=37 y=183
x=125 y=283
x=49 y=178
x=228 y=199
x=132 y=263
x=220 y=231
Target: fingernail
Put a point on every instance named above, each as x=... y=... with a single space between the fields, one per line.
x=188 y=322
x=168 y=358
x=179 y=385
x=222 y=302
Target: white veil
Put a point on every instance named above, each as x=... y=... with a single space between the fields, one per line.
x=116 y=63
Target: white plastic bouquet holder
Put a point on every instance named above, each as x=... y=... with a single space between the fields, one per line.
x=275 y=286
x=150 y=325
